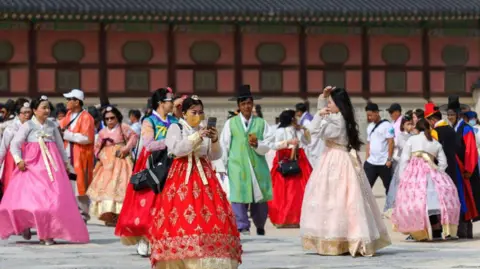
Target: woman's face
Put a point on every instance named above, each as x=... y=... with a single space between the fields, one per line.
x=111 y=120
x=194 y=115
x=25 y=114
x=408 y=126
x=43 y=111
x=332 y=106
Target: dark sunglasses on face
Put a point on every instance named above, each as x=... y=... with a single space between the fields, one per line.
x=71 y=99
x=109 y=118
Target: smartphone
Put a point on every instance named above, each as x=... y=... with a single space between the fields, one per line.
x=211 y=122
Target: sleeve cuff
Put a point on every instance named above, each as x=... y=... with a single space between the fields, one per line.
x=17 y=159
x=67 y=135
x=195 y=139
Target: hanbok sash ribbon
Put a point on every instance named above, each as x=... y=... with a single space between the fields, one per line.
x=46 y=156
x=198 y=163
x=426 y=157
x=354 y=157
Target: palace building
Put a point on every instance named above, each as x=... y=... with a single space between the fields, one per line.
x=122 y=48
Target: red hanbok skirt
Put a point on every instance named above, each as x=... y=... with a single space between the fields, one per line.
x=286 y=207
x=194 y=223
x=136 y=216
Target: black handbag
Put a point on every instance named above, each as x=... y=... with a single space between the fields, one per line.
x=155 y=176
x=289 y=167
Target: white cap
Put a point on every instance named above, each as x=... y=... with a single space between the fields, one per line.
x=75 y=93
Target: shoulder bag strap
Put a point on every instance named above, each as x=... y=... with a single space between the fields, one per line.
x=376 y=125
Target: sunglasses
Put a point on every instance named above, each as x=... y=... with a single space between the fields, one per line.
x=110 y=118
x=72 y=99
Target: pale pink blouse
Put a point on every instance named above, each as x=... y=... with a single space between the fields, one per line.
x=124 y=135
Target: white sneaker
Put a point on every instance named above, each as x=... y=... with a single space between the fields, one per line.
x=143 y=248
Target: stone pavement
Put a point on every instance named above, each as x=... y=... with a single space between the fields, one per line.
x=280 y=249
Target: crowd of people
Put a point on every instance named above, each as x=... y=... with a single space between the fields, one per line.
x=184 y=192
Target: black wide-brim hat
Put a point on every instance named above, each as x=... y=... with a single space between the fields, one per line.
x=244 y=92
x=453 y=104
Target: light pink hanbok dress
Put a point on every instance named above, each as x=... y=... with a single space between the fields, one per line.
x=41 y=197
x=425 y=190
x=339 y=211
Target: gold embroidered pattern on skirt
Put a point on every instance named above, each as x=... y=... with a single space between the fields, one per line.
x=173 y=216
x=203 y=263
x=196 y=190
x=221 y=214
x=206 y=214
x=196 y=246
x=182 y=191
x=161 y=218
x=341 y=246
x=189 y=214
x=209 y=193
x=171 y=192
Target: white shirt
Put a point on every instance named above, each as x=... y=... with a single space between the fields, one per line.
x=378 y=141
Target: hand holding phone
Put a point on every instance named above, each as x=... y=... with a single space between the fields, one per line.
x=211 y=122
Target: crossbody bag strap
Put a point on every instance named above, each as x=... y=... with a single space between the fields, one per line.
x=376 y=125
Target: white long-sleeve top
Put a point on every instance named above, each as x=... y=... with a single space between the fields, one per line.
x=420 y=143
x=282 y=135
x=330 y=127
x=30 y=131
x=400 y=141
x=262 y=148
x=8 y=134
x=182 y=142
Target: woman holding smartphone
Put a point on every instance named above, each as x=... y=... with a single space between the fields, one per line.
x=114 y=167
x=193 y=224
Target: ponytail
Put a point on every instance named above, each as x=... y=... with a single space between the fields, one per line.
x=423 y=126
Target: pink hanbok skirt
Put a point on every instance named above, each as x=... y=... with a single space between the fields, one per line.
x=424 y=190
x=35 y=201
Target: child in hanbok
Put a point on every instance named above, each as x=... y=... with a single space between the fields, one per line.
x=285 y=208
x=193 y=225
x=339 y=212
x=406 y=127
x=426 y=195
x=40 y=194
x=114 y=167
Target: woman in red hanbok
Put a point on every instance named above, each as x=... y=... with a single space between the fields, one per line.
x=286 y=207
x=135 y=218
x=194 y=225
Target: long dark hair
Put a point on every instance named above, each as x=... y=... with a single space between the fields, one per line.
x=423 y=126
x=342 y=101
x=286 y=118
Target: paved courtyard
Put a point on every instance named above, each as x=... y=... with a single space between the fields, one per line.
x=279 y=250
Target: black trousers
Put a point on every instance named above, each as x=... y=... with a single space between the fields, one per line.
x=375 y=171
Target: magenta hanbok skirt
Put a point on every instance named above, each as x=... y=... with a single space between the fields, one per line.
x=35 y=201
